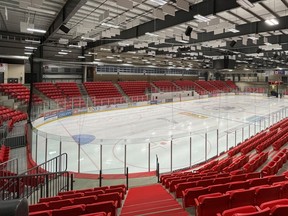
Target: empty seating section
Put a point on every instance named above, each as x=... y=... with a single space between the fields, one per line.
x=10 y=117
x=238 y=163
x=255 y=89
x=207 y=86
x=19 y=92
x=135 y=90
x=165 y=86
x=189 y=85
x=264 y=198
x=277 y=162
x=49 y=90
x=91 y=201
x=4 y=156
x=256 y=162
x=72 y=93
x=274 y=135
x=231 y=84
x=221 y=85
x=103 y=93
x=65 y=94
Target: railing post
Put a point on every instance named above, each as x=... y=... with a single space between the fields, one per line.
x=79 y=163
x=217 y=141
x=190 y=152
x=125 y=158
x=227 y=141
x=149 y=156
x=127 y=178
x=158 y=172
x=72 y=181
x=242 y=134
x=100 y=178
x=235 y=137
x=101 y=149
x=171 y=155
x=36 y=146
x=47 y=185
x=206 y=146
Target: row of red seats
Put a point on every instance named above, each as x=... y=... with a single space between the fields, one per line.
x=164 y=85
x=188 y=85
x=190 y=194
x=212 y=204
x=222 y=164
x=4 y=154
x=134 y=88
x=208 y=166
x=173 y=182
x=277 y=162
x=237 y=163
x=231 y=84
x=221 y=85
x=19 y=92
x=257 y=142
x=181 y=187
x=106 y=208
x=271 y=140
x=256 y=162
x=70 y=199
x=207 y=86
x=245 y=143
x=280 y=142
x=254 y=89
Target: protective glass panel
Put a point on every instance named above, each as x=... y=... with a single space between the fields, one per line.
x=90 y=157
x=211 y=143
x=198 y=148
x=41 y=147
x=181 y=152
x=113 y=156
x=70 y=147
x=53 y=146
x=137 y=155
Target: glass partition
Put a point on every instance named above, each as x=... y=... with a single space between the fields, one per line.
x=177 y=146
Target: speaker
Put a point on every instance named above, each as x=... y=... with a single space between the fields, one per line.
x=232 y=44
x=64 y=29
x=188 y=31
x=259 y=50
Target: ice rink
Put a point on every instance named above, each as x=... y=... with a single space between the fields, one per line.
x=180 y=134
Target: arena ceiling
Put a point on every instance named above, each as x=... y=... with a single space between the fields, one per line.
x=148 y=32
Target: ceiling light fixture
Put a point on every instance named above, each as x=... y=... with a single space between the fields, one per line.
x=272 y=22
x=68 y=51
x=31 y=48
x=27 y=53
x=41 y=10
x=159 y=2
x=75 y=46
x=105 y=49
x=233 y=30
x=151 y=34
x=33 y=41
x=87 y=38
x=245 y=4
x=81 y=57
x=201 y=18
x=110 y=25
x=36 y=30
x=62 y=53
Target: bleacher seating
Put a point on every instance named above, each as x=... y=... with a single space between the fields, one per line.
x=19 y=92
x=189 y=85
x=207 y=86
x=49 y=90
x=11 y=116
x=231 y=84
x=135 y=90
x=255 y=89
x=81 y=202
x=165 y=86
x=221 y=85
x=103 y=93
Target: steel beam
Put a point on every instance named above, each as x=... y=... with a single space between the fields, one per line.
x=65 y=14
x=204 y=8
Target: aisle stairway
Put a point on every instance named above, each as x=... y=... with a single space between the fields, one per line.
x=151 y=200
